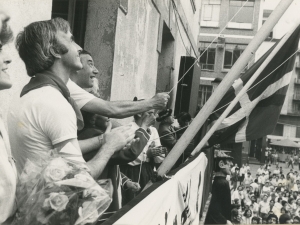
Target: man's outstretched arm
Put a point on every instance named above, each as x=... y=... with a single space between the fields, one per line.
x=123 y=109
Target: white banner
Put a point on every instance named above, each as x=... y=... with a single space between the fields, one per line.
x=177 y=201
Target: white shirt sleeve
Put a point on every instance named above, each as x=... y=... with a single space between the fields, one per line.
x=80 y=96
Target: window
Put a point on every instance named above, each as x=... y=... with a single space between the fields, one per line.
x=244 y=18
x=205 y=92
x=207 y=60
x=210 y=13
x=231 y=57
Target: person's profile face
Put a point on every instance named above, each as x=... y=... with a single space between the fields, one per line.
x=88 y=72
x=71 y=59
x=5 y=82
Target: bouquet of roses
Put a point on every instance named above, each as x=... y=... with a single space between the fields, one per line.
x=59 y=191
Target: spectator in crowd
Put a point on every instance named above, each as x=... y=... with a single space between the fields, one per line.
x=285 y=219
x=236 y=218
x=296 y=220
x=272 y=219
x=255 y=220
x=248 y=179
x=264 y=206
x=235 y=178
x=247 y=216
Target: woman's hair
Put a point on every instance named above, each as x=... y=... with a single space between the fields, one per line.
x=35 y=42
x=6 y=34
x=247 y=210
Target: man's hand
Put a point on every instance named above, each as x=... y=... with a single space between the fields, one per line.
x=148 y=120
x=156 y=151
x=160 y=100
x=133 y=186
x=128 y=145
x=118 y=138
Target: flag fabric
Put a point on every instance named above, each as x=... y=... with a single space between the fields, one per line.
x=177 y=200
x=258 y=110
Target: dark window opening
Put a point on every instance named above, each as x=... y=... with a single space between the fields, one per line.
x=75 y=12
x=231 y=56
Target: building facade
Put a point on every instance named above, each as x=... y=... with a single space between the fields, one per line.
x=230 y=25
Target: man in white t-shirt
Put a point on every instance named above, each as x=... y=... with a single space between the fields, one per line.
x=260 y=170
x=264 y=206
x=116 y=109
x=47 y=116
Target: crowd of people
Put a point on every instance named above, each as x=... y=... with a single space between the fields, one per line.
x=268 y=197
x=55 y=111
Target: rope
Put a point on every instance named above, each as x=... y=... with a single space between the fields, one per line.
x=206 y=47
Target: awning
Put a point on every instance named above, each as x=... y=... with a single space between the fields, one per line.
x=286 y=143
x=277 y=138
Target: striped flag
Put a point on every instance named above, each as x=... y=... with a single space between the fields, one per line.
x=258 y=110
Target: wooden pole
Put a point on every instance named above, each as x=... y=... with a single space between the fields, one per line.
x=244 y=90
x=212 y=102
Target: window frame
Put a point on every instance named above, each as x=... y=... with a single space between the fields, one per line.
x=206 y=53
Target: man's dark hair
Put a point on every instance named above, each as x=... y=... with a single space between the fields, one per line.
x=272 y=216
x=257 y=219
x=284 y=218
x=6 y=34
x=35 y=42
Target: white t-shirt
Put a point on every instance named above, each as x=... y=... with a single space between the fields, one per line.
x=254 y=186
x=264 y=207
x=8 y=177
x=80 y=96
x=44 y=118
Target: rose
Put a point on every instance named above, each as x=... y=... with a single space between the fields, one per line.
x=56 y=201
x=88 y=213
x=56 y=170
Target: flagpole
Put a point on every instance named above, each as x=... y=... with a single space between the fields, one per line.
x=244 y=90
x=232 y=75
